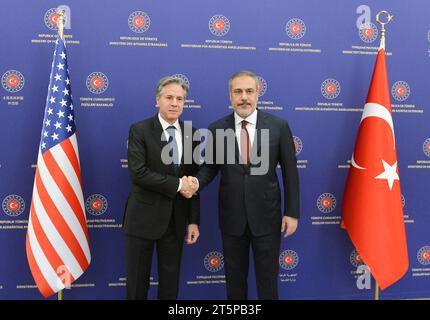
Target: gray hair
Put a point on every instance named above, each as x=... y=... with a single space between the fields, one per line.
x=243 y=73
x=169 y=80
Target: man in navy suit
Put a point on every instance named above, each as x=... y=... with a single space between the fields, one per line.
x=157 y=215
x=249 y=193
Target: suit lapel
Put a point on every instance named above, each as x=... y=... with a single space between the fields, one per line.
x=230 y=124
x=261 y=124
x=157 y=131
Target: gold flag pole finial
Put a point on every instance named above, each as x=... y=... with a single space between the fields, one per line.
x=388 y=18
x=60 y=24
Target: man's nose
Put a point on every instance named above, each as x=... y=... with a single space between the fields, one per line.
x=244 y=96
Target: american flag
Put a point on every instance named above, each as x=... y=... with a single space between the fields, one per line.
x=57 y=237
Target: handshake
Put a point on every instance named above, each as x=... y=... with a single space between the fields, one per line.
x=190 y=185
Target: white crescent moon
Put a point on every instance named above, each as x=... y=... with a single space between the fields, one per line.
x=375 y=110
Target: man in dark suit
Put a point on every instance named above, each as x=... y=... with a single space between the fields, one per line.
x=249 y=192
x=156 y=214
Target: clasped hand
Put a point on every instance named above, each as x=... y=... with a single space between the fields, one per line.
x=189 y=187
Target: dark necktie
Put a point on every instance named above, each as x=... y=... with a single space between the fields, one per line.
x=174 y=152
x=244 y=143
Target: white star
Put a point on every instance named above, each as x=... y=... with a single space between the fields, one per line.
x=66 y=92
x=69 y=128
x=70 y=117
x=54 y=89
x=60 y=66
x=52 y=100
x=43 y=145
x=54 y=136
x=48 y=122
x=57 y=125
x=71 y=106
x=63 y=55
x=389 y=174
x=60 y=114
x=45 y=134
x=49 y=111
x=63 y=102
x=67 y=81
x=57 y=77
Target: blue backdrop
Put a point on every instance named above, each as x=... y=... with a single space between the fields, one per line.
x=315 y=67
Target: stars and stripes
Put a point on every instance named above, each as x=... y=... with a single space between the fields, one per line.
x=57 y=238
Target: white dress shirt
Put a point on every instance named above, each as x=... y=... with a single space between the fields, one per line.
x=250 y=126
x=178 y=138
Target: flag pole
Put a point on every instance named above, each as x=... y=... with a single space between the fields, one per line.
x=376 y=291
x=389 y=17
x=60 y=25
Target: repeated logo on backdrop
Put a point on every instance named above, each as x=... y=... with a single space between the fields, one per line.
x=368 y=32
x=422 y=163
x=423 y=255
x=51 y=18
x=298 y=145
x=214 y=261
x=326 y=203
x=330 y=88
x=295 y=28
x=97 y=82
x=355 y=259
x=219 y=25
x=262 y=86
x=288 y=260
x=426 y=147
x=400 y=90
x=139 y=21
x=96 y=204
x=12 y=81
x=13 y=205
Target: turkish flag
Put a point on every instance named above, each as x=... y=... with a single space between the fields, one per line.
x=372 y=212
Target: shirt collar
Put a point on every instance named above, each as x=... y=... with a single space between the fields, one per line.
x=252 y=118
x=165 y=124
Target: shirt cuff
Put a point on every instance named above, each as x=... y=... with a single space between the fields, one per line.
x=180 y=185
x=197 y=181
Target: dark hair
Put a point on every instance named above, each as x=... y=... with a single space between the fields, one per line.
x=242 y=74
x=169 y=80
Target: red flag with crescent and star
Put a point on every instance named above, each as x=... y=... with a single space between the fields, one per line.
x=372 y=212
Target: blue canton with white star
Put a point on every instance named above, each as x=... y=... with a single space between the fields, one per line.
x=59 y=120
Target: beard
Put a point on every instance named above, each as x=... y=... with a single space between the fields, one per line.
x=244 y=112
